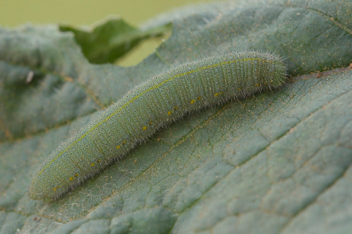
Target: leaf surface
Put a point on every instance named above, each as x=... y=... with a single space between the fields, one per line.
x=276 y=162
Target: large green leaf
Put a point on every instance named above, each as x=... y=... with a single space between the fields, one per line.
x=277 y=162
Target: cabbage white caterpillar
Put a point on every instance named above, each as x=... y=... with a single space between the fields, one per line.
x=149 y=106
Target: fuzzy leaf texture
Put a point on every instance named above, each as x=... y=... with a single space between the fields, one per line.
x=276 y=162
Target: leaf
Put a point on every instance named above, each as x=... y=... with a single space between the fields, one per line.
x=277 y=162
x=111 y=39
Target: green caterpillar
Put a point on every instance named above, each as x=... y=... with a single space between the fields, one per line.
x=148 y=107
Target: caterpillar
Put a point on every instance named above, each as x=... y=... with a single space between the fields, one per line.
x=150 y=106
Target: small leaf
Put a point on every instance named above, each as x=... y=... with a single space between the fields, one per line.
x=112 y=39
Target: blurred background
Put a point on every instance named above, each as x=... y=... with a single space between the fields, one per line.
x=82 y=12
x=14 y=13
